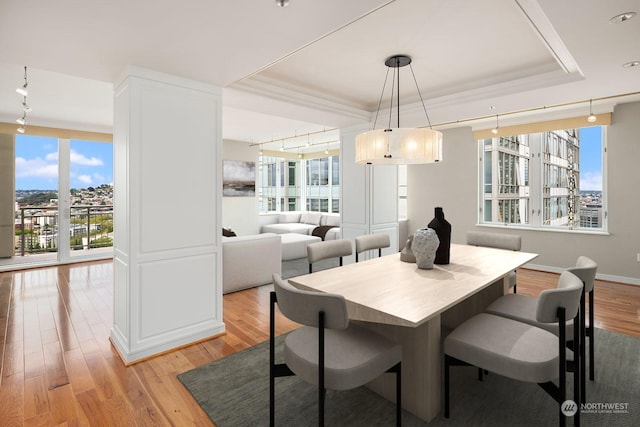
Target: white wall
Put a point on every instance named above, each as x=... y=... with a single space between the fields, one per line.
x=241 y=213
x=7 y=194
x=453 y=184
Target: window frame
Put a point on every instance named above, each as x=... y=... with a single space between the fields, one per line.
x=536 y=171
x=307 y=201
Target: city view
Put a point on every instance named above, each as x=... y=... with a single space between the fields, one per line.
x=37 y=219
x=58 y=176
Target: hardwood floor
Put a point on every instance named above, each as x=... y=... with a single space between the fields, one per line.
x=59 y=368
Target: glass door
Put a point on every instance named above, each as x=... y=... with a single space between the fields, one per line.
x=64 y=200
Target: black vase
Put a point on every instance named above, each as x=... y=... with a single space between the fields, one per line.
x=443 y=230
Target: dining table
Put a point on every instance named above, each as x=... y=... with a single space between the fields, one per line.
x=417 y=307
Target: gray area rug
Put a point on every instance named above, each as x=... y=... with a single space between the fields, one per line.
x=234 y=391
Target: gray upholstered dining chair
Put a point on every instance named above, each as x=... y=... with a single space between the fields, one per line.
x=523 y=308
x=511 y=242
x=328 y=351
x=368 y=242
x=328 y=249
x=519 y=350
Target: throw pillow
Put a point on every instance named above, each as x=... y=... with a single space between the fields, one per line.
x=288 y=217
x=311 y=218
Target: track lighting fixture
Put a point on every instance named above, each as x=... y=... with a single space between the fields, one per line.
x=282 y=3
x=22 y=90
x=592 y=117
x=495 y=129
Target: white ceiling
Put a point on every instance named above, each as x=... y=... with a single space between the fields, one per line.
x=317 y=65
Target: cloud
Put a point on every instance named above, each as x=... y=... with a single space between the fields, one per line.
x=80 y=159
x=85 y=179
x=36 y=168
x=591 y=181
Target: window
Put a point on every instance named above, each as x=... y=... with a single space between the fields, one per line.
x=550 y=180
x=64 y=196
x=312 y=185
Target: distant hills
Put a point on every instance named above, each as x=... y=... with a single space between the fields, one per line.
x=39 y=197
x=35 y=197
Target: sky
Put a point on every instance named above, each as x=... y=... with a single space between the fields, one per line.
x=591 y=158
x=92 y=162
x=37 y=163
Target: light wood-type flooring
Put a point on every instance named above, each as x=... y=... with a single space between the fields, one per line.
x=59 y=368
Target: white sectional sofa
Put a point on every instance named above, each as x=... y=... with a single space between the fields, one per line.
x=249 y=261
x=304 y=223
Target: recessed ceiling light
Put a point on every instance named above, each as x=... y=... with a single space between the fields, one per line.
x=631 y=64
x=622 y=17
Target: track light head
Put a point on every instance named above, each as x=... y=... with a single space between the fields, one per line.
x=592 y=117
x=22 y=90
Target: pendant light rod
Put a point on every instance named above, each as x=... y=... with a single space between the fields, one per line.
x=396 y=62
x=384 y=85
x=398 y=90
x=420 y=94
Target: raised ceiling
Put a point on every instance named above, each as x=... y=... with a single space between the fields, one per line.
x=319 y=65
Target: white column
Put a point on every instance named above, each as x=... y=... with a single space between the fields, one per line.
x=369 y=195
x=167 y=213
x=64 y=199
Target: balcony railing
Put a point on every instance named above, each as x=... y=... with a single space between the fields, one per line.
x=37 y=230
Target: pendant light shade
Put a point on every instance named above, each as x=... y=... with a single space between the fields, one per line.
x=397 y=146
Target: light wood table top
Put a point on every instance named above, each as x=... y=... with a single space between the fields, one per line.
x=389 y=291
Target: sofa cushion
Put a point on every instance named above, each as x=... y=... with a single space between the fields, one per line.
x=312 y=218
x=249 y=261
x=288 y=217
x=330 y=219
x=294 y=227
x=294 y=245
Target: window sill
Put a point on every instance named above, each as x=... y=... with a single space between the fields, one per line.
x=599 y=232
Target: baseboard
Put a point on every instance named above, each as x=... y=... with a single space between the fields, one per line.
x=607 y=277
x=130 y=356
